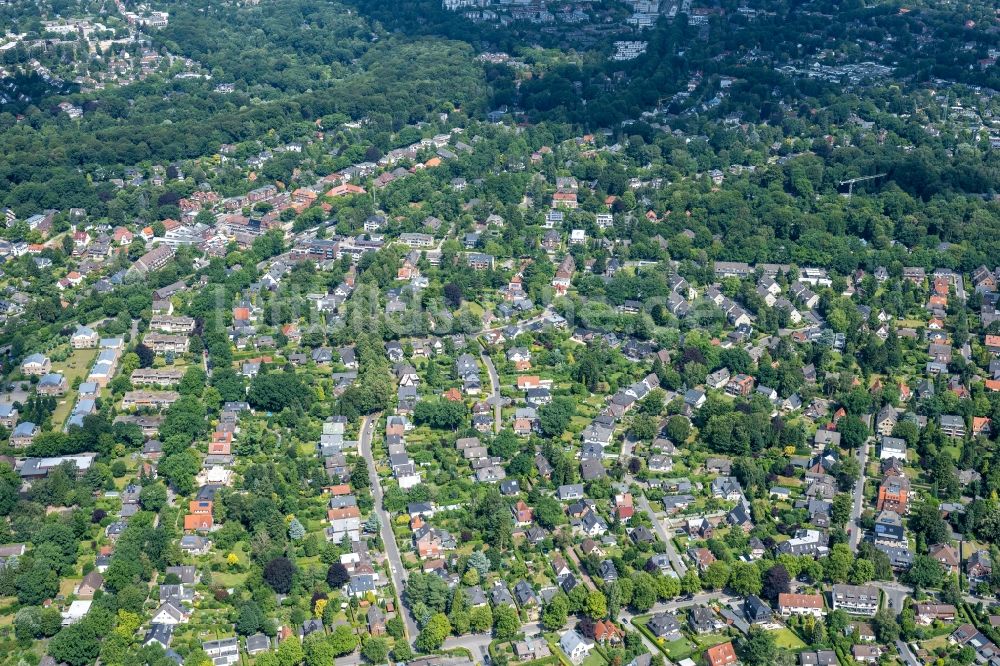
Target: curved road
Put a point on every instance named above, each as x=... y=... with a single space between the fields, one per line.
x=388 y=538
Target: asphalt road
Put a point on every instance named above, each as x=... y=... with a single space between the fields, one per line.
x=478 y=645
x=664 y=533
x=895 y=594
x=388 y=538
x=907 y=654
x=859 y=496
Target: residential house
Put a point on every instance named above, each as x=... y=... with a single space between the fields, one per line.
x=36 y=364
x=721 y=655
x=800 y=604
x=575 y=646
x=665 y=626
x=703 y=620
x=856 y=599
x=946 y=555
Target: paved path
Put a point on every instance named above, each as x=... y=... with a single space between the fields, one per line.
x=664 y=533
x=859 y=496
x=587 y=580
x=388 y=538
x=495 y=381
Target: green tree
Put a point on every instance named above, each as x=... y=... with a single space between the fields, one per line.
x=274 y=391
x=153 y=497
x=885 y=626
x=505 y=445
x=555 y=613
x=250 y=619
x=926 y=572
x=837 y=565
x=343 y=641
x=643 y=427
x=678 y=429
x=375 y=649
x=480 y=619
x=691 y=583
x=433 y=634
x=758 y=648
x=745 y=578
x=853 y=431
x=716 y=575
x=554 y=417
x=862 y=571
x=505 y=622
x=643 y=593
x=395 y=627
x=841 y=512
x=36 y=584
x=596 y=606
x=77 y=644
x=290 y=653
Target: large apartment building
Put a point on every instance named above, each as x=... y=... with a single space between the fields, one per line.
x=856 y=599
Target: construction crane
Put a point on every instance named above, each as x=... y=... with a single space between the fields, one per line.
x=850 y=182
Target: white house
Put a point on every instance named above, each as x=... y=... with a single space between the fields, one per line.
x=223 y=652
x=576 y=647
x=76 y=611
x=800 y=604
x=170 y=614
x=36 y=364
x=84 y=338
x=893 y=447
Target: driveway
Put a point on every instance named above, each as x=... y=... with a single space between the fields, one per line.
x=495 y=381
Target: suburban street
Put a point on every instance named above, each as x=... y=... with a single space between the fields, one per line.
x=678 y=604
x=906 y=653
x=859 y=496
x=664 y=533
x=478 y=644
x=895 y=593
x=388 y=539
x=495 y=395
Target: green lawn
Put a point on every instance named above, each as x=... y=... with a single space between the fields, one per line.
x=710 y=640
x=675 y=650
x=594 y=659
x=682 y=648
x=786 y=639
x=77 y=365
x=935 y=643
x=228 y=579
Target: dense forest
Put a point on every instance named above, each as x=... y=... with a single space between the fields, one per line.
x=284 y=85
